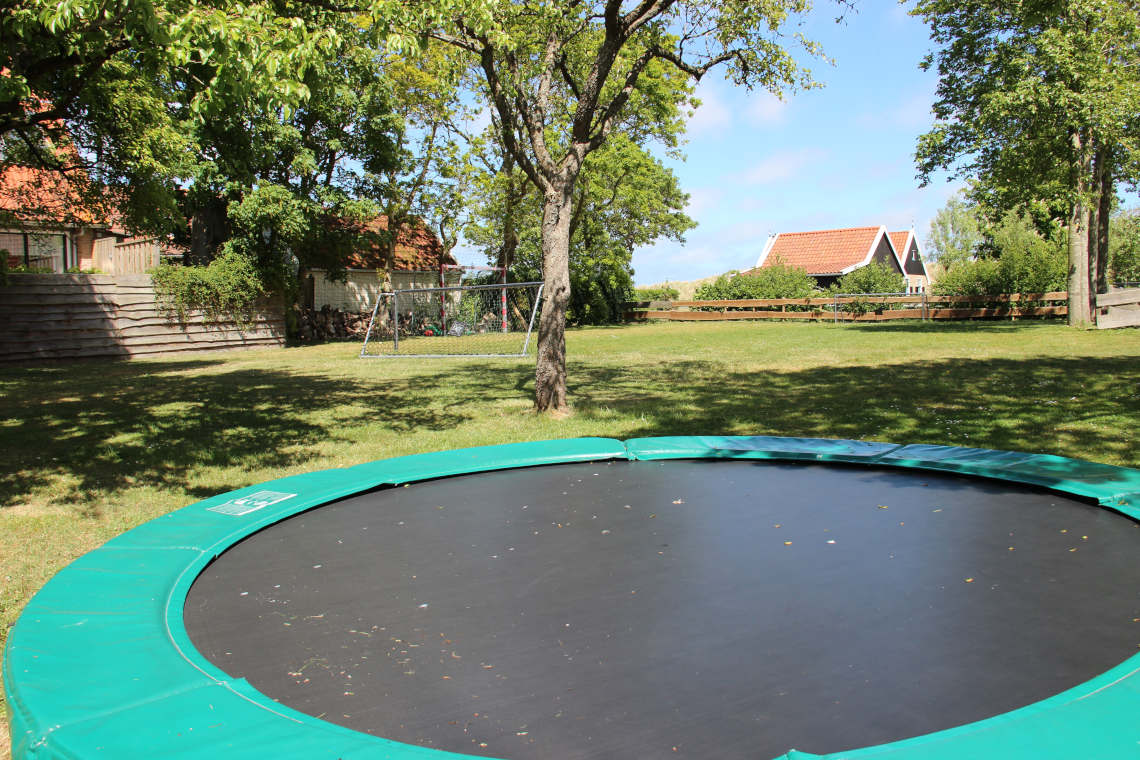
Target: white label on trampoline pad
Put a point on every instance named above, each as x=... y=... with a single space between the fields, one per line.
x=251 y=503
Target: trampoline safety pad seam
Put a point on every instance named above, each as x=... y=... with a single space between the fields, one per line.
x=99 y=663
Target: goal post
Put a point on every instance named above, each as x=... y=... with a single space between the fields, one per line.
x=464 y=320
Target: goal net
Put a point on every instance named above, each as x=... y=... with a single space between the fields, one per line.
x=470 y=320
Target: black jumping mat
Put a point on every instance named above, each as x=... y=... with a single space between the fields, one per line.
x=674 y=608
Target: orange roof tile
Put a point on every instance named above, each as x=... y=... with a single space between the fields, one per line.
x=417 y=249
x=822 y=252
x=42 y=197
x=899 y=241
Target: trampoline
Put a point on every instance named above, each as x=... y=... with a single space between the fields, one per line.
x=728 y=597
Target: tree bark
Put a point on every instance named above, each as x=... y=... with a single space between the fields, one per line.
x=1079 y=312
x=1107 y=192
x=550 y=370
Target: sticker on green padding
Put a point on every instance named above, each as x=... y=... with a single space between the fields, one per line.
x=243 y=505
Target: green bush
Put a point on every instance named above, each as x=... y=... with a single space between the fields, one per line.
x=1026 y=262
x=776 y=281
x=657 y=293
x=227 y=287
x=1124 y=248
x=873 y=278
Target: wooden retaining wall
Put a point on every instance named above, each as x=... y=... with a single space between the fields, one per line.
x=70 y=316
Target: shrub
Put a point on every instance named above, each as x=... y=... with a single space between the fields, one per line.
x=1124 y=248
x=873 y=278
x=657 y=293
x=226 y=287
x=1026 y=262
x=776 y=281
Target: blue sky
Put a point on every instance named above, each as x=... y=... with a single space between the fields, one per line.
x=840 y=156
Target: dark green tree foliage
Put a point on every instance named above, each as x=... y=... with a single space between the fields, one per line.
x=625 y=198
x=873 y=278
x=99 y=89
x=284 y=187
x=561 y=77
x=776 y=281
x=1124 y=266
x=1020 y=260
x=1037 y=102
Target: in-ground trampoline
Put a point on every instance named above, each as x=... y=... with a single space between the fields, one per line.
x=661 y=597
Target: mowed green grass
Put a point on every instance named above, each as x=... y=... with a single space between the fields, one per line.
x=92 y=449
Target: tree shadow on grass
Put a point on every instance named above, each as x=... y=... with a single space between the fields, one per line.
x=159 y=424
x=952 y=326
x=1072 y=407
x=155 y=424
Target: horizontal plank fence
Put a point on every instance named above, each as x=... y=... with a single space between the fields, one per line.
x=70 y=316
x=1120 y=308
x=856 y=308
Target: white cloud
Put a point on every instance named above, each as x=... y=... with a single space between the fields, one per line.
x=704 y=199
x=713 y=115
x=764 y=109
x=781 y=166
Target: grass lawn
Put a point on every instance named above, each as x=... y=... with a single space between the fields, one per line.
x=94 y=448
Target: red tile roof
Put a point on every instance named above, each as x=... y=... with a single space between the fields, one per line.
x=417 y=249
x=899 y=241
x=42 y=197
x=822 y=252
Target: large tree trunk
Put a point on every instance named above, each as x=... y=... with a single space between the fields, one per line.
x=1107 y=192
x=550 y=370
x=1079 y=312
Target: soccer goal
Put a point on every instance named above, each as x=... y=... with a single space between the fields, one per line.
x=464 y=320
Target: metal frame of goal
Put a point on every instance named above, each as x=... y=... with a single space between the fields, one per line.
x=460 y=320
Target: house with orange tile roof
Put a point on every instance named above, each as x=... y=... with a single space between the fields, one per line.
x=49 y=223
x=827 y=255
x=909 y=252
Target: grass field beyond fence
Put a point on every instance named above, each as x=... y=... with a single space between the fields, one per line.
x=93 y=449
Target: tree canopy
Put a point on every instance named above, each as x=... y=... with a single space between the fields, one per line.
x=1038 y=102
x=560 y=78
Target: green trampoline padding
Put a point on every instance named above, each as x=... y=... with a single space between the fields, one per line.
x=99 y=663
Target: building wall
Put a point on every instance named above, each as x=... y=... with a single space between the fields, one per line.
x=916 y=279
x=363 y=286
x=884 y=254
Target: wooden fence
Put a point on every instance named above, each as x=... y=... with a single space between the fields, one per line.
x=870 y=308
x=1120 y=308
x=136 y=256
x=66 y=316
